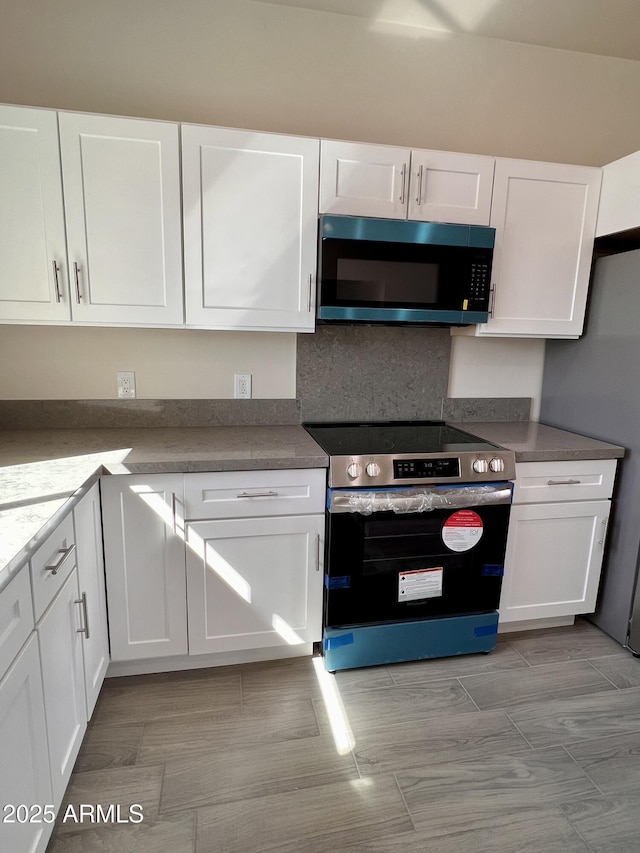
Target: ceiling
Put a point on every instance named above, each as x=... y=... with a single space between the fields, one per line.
x=604 y=27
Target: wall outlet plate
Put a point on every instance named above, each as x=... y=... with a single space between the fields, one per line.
x=242 y=386
x=126 y=384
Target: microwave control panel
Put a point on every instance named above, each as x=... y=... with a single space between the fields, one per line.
x=479 y=284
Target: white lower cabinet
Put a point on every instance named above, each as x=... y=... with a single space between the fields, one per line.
x=88 y=529
x=24 y=762
x=254 y=583
x=555 y=547
x=242 y=573
x=53 y=655
x=63 y=682
x=144 y=557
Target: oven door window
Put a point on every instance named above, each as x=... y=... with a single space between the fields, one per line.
x=369 y=558
x=365 y=274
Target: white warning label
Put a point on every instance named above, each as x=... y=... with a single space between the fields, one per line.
x=422 y=583
x=462 y=530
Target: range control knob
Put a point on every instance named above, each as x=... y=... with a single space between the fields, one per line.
x=373 y=469
x=354 y=470
x=480 y=466
x=496 y=464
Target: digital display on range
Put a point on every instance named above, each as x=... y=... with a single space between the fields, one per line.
x=415 y=469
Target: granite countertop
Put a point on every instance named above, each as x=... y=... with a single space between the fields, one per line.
x=43 y=473
x=535 y=442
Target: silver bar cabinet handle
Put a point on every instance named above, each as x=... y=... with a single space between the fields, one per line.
x=83 y=601
x=492 y=299
x=563 y=482
x=65 y=553
x=76 y=276
x=56 y=281
x=310 y=282
x=257 y=495
x=317 y=552
x=403 y=180
x=419 y=194
x=605 y=521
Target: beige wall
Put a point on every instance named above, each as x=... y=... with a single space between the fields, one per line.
x=55 y=363
x=245 y=64
x=490 y=367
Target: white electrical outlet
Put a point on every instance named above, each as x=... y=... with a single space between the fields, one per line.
x=242 y=386
x=126 y=384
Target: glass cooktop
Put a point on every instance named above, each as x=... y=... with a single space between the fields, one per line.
x=394 y=437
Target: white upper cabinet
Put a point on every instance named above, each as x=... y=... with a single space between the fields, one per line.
x=250 y=229
x=122 y=204
x=363 y=180
x=545 y=217
x=620 y=198
x=450 y=187
x=34 y=283
x=357 y=179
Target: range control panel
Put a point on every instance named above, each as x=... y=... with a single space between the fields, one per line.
x=416 y=469
x=421 y=469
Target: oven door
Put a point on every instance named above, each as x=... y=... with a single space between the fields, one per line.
x=408 y=554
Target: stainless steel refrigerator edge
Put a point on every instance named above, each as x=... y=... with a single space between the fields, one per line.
x=592 y=386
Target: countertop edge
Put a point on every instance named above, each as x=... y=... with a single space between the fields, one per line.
x=532 y=441
x=22 y=557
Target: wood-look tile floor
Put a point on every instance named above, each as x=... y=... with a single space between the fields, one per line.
x=534 y=748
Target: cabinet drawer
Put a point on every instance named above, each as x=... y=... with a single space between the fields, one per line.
x=51 y=565
x=16 y=618
x=543 y=482
x=241 y=494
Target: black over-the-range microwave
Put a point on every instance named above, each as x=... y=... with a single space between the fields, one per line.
x=391 y=271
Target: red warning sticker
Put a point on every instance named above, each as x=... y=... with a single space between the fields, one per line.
x=462 y=530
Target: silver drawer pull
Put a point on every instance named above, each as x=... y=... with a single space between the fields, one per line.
x=64 y=554
x=257 y=495
x=563 y=482
x=83 y=602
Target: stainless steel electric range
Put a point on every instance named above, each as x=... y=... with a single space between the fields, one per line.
x=416 y=526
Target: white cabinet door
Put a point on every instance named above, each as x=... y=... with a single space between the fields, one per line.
x=553 y=559
x=145 y=566
x=250 y=229
x=88 y=528
x=33 y=254
x=24 y=763
x=450 y=187
x=254 y=583
x=544 y=215
x=357 y=179
x=63 y=682
x=122 y=205
x=620 y=197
